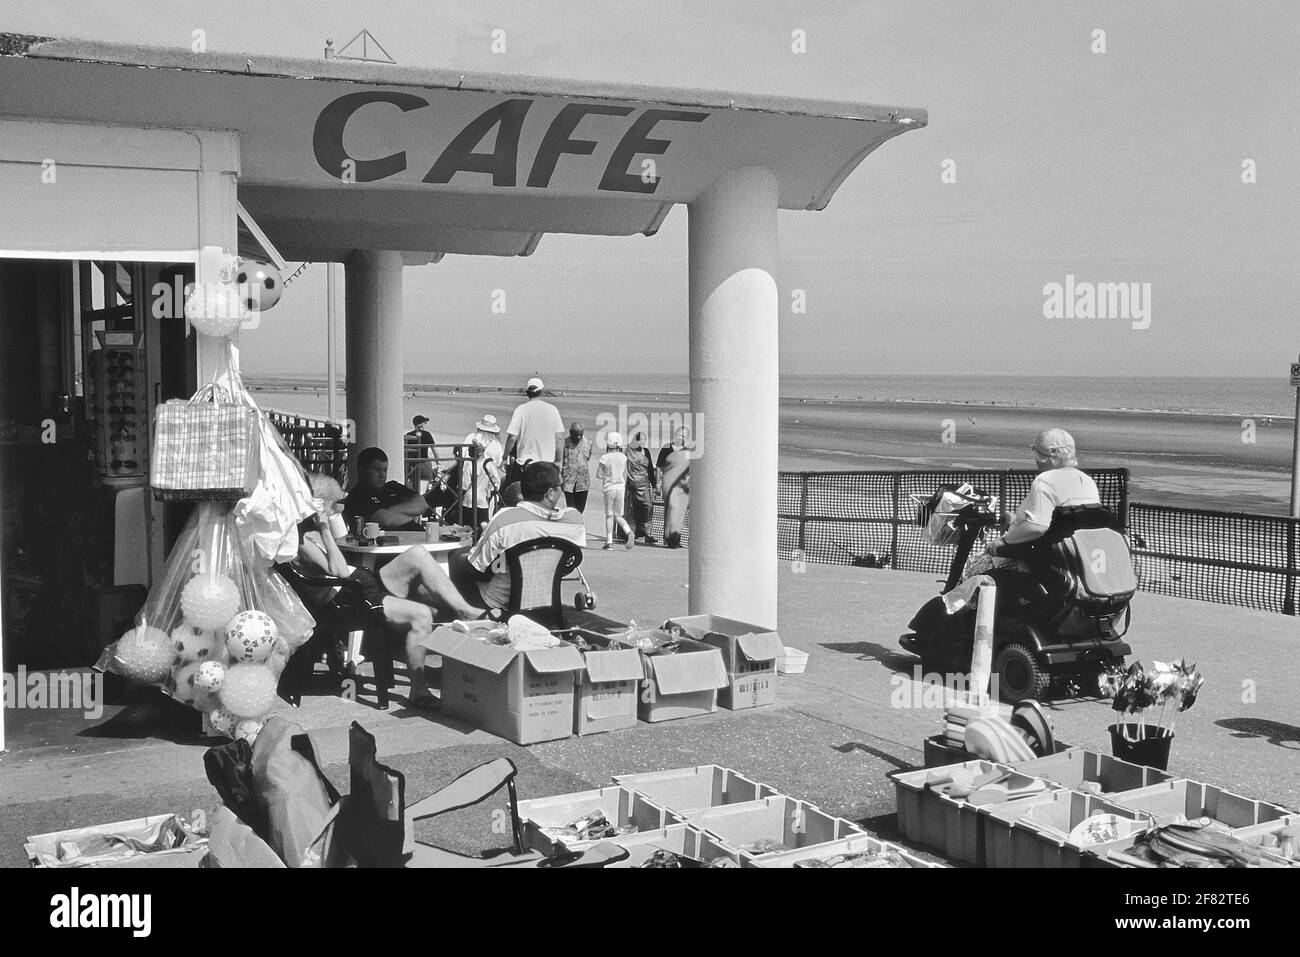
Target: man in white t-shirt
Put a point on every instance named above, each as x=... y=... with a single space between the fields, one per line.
x=536 y=431
x=1059 y=482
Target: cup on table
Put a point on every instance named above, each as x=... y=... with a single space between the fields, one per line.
x=432 y=531
x=371 y=530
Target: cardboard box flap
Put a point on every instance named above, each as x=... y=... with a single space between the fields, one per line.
x=688 y=671
x=699 y=625
x=762 y=647
x=471 y=651
x=549 y=660
x=622 y=664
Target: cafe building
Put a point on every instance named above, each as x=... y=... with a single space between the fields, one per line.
x=127 y=172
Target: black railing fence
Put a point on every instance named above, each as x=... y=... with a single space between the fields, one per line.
x=869 y=519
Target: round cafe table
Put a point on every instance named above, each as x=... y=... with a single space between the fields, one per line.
x=376 y=556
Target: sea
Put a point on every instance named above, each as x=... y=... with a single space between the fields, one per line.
x=1245 y=396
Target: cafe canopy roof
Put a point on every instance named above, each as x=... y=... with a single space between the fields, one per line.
x=339 y=155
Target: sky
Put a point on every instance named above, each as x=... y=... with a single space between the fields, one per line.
x=1122 y=166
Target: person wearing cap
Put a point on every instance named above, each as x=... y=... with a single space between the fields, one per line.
x=576 y=468
x=612 y=471
x=1059 y=482
x=486 y=436
x=421 y=456
x=536 y=431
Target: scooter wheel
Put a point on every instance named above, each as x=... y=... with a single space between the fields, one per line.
x=580 y=601
x=1020 y=675
x=591 y=602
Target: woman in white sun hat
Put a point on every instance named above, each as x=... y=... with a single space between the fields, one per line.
x=487 y=436
x=612 y=474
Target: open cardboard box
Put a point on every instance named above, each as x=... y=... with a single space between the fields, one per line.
x=682 y=684
x=749 y=652
x=523 y=696
x=605 y=696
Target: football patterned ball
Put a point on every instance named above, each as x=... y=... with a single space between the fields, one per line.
x=250 y=636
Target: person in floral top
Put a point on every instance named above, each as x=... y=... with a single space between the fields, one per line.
x=576 y=469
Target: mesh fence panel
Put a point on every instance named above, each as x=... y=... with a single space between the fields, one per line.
x=1233 y=558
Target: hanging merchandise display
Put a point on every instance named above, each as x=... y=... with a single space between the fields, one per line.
x=219 y=624
x=259 y=285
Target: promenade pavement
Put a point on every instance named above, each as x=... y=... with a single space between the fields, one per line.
x=856 y=714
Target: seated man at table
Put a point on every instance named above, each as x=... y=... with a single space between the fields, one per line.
x=407 y=588
x=375 y=499
x=481 y=574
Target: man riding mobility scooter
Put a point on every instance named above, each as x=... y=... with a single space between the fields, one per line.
x=1062 y=599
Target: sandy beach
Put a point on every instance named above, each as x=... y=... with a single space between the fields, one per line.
x=1189 y=460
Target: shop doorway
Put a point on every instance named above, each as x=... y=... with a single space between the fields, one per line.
x=86 y=357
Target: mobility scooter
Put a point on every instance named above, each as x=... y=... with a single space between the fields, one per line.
x=1060 y=615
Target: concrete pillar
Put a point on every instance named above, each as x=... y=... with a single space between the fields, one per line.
x=734 y=387
x=373 y=336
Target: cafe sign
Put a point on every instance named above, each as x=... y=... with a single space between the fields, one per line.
x=400 y=138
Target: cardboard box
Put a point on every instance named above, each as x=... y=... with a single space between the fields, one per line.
x=606 y=689
x=621 y=807
x=43 y=849
x=683 y=684
x=750 y=653
x=523 y=696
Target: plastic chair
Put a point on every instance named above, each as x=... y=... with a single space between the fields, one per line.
x=536 y=568
x=346 y=610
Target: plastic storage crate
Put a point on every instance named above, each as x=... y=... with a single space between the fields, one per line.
x=1076 y=767
x=1169 y=800
x=680 y=839
x=692 y=789
x=620 y=805
x=1034 y=832
x=795 y=824
x=951 y=826
x=856 y=844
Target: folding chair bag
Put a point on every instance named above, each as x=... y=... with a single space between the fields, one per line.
x=206 y=448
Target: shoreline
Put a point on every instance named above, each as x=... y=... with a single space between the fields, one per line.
x=288 y=384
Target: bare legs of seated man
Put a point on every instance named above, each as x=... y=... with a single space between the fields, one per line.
x=416 y=584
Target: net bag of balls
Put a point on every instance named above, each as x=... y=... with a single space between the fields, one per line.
x=217 y=628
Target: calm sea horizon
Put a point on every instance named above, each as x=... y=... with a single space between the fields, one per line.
x=1230 y=395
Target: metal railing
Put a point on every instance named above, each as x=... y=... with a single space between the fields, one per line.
x=317 y=443
x=1233 y=558
x=868 y=519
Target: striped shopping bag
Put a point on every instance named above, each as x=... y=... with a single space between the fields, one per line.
x=206 y=448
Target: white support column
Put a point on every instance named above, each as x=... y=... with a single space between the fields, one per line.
x=734 y=387
x=373 y=334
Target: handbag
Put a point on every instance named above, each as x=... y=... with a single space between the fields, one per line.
x=206 y=448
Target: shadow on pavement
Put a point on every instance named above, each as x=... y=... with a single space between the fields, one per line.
x=1275 y=732
x=894 y=659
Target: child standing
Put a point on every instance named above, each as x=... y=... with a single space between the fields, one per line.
x=612 y=471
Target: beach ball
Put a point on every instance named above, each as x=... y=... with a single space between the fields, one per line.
x=215 y=309
x=248 y=690
x=259 y=284
x=191 y=643
x=209 y=602
x=182 y=685
x=222 y=721
x=250 y=636
x=209 y=675
x=248 y=730
x=145 y=655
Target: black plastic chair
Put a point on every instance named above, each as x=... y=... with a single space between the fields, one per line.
x=346 y=610
x=536 y=568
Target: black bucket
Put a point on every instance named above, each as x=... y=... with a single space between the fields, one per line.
x=1153 y=750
